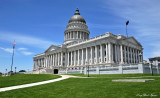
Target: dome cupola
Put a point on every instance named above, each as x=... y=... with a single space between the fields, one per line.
x=77 y=30
x=77 y=17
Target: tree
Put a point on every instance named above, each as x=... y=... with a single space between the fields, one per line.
x=22 y=71
x=0 y=74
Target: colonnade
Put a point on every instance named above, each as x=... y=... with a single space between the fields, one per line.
x=104 y=53
x=76 y=35
x=56 y=59
x=98 y=54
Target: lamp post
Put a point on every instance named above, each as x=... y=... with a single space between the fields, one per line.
x=15 y=70
x=6 y=72
x=151 y=69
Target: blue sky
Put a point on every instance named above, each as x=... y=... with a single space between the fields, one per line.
x=37 y=24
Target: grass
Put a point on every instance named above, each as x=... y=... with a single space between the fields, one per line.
x=89 y=88
x=113 y=75
x=19 y=79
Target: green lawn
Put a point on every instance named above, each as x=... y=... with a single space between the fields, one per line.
x=89 y=88
x=19 y=79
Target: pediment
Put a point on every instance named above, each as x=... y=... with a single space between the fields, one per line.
x=133 y=40
x=52 y=48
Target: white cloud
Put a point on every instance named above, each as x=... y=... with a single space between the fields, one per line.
x=144 y=19
x=26 y=40
x=21 y=49
x=10 y=50
x=27 y=53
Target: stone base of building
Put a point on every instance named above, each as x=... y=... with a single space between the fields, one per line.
x=102 y=69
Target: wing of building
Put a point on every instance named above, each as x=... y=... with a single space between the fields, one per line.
x=79 y=51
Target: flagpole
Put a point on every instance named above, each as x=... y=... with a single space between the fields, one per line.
x=126 y=31
x=126 y=27
x=12 y=58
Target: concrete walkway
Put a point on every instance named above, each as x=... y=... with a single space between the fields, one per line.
x=37 y=83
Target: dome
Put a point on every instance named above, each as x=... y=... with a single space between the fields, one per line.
x=77 y=17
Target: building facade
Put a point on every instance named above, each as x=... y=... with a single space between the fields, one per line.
x=78 y=52
x=155 y=61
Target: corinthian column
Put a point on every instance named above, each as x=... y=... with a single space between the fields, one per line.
x=128 y=55
x=86 y=55
x=125 y=54
x=82 y=57
x=131 y=55
x=68 y=58
x=75 y=58
x=71 y=59
x=121 y=54
x=53 y=59
x=91 y=54
x=96 y=54
x=101 y=53
x=106 y=53
x=115 y=49
x=110 y=52
x=78 y=57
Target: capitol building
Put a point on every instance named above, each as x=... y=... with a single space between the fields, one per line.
x=103 y=54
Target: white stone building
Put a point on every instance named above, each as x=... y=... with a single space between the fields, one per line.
x=102 y=53
x=155 y=61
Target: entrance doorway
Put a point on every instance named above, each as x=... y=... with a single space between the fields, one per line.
x=55 y=71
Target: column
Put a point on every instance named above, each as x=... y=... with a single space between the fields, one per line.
x=78 y=57
x=91 y=54
x=125 y=54
x=128 y=55
x=53 y=59
x=106 y=53
x=101 y=53
x=133 y=56
x=71 y=58
x=95 y=54
x=118 y=47
x=77 y=34
x=131 y=50
x=138 y=57
x=73 y=34
x=115 y=49
x=45 y=61
x=61 y=58
x=86 y=56
x=110 y=52
x=49 y=60
x=80 y=35
x=121 y=48
x=68 y=58
x=75 y=58
x=56 y=61
x=82 y=57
